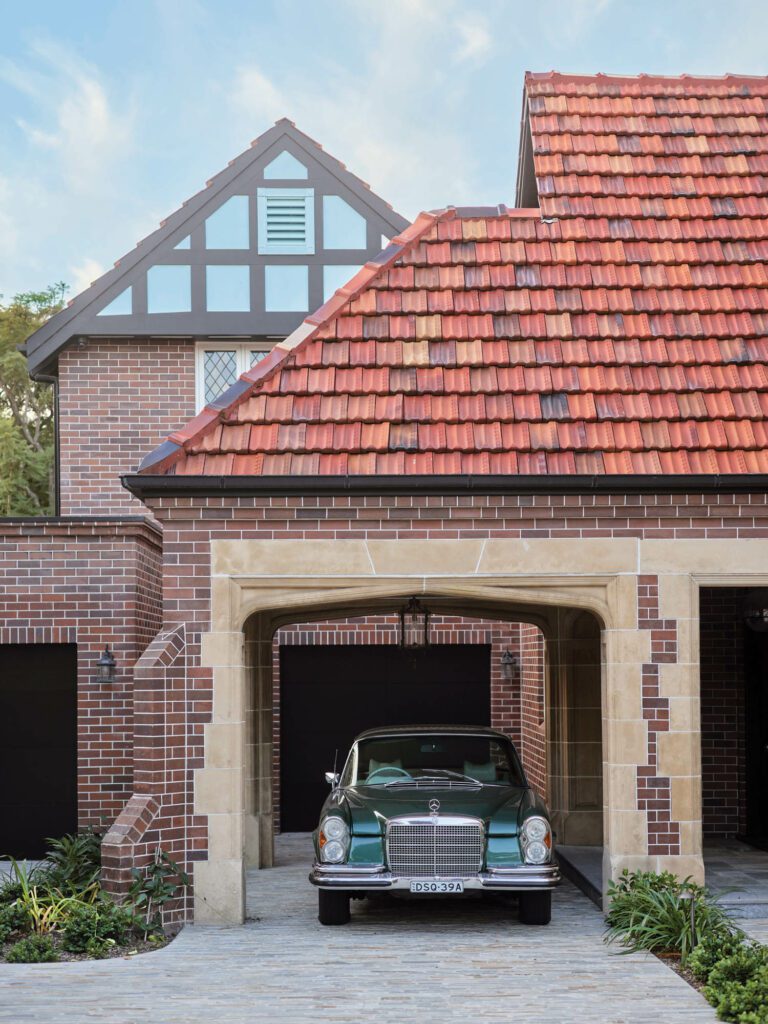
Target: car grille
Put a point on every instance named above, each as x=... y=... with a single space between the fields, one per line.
x=434 y=848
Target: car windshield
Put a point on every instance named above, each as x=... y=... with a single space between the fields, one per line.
x=442 y=757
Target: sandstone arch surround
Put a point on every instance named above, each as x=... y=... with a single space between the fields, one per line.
x=258 y=585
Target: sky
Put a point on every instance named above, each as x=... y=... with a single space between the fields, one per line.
x=112 y=112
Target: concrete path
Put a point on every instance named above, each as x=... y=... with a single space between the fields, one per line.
x=397 y=962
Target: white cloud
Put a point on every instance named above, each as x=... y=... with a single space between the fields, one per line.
x=74 y=119
x=476 y=42
x=84 y=274
x=392 y=117
x=68 y=171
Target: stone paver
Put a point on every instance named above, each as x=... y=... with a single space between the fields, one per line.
x=398 y=961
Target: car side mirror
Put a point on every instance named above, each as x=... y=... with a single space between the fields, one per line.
x=332 y=778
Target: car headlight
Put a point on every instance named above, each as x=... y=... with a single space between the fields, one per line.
x=333 y=840
x=334 y=828
x=536 y=840
x=333 y=852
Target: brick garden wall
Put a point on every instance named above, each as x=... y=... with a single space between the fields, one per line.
x=90 y=583
x=117 y=401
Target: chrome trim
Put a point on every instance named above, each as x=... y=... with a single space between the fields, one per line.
x=431 y=819
x=354 y=876
x=439 y=845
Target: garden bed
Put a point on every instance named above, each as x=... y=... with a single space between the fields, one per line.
x=57 y=911
x=683 y=925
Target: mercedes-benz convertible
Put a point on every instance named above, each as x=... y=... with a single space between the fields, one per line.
x=434 y=811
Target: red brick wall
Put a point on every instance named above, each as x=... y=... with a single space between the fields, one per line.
x=117 y=401
x=91 y=583
x=722 y=710
x=532 y=707
x=384 y=629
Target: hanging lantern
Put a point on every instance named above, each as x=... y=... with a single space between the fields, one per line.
x=105 y=667
x=414 y=624
x=755 y=610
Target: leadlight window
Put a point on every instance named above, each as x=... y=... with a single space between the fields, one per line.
x=219 y=365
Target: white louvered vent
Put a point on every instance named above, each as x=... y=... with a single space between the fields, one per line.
x=286 y=220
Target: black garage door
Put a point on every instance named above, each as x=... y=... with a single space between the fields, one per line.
x=329 y=694
x=38 y=745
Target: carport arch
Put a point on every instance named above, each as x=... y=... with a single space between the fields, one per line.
x=265 y=584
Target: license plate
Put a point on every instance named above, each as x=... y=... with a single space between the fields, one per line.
x=437 y=887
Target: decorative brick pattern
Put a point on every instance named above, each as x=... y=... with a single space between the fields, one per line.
x=654 y=794
x=117 y=399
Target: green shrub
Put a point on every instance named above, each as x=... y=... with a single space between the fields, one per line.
x=99 y=949
x=74 y=860
x=35 y=949
x=651 y=911
x=713 y=947
x=96 y=923
x=13 y=918
x=743 y=1001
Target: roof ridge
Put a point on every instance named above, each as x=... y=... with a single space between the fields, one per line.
x=642 y=76
x=166 y=453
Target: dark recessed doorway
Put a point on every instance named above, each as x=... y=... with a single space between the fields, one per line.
x=38 y=745
x=328 y=694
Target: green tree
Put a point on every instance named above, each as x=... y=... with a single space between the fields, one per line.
x=26 y=409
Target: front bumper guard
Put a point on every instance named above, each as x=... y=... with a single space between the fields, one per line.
x=527 y=877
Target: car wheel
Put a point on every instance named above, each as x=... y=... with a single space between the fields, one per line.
x=535 y=907
x=332 y=907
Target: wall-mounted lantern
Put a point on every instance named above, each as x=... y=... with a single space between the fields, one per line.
x=510 y=665
x=105 y=668
x=755 y=610
x=414 y=624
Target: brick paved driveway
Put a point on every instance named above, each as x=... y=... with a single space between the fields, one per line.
x=395 y=963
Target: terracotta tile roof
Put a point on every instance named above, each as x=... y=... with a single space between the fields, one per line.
x=622 y=328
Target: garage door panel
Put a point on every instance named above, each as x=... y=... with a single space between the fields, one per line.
x=38 y=745
x=330 y=694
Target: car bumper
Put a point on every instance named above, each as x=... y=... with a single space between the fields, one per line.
x=525 y=878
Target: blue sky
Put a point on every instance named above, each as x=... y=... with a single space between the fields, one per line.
x=114 y=111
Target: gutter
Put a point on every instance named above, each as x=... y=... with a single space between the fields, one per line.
x=146 y=486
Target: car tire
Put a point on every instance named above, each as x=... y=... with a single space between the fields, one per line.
x=332 y=907
x=535 y=907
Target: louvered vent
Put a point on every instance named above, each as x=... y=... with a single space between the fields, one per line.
x=286 y=220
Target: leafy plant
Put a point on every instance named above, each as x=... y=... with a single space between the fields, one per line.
x=12 y=919
x=153 y=887
x=74 y=860
x=738 y=986
x=35 y=949
x=652 y=911
x=44 y=908
x=88 y=925
x=717 y=945
x=98 y=949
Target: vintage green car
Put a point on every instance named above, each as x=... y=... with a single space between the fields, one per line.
x=435 y=810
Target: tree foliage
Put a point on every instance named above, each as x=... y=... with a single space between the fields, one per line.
x=26 y=409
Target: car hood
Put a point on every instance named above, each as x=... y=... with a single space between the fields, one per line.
x=499 y=807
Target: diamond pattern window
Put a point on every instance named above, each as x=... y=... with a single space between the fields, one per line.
x=219 y=364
